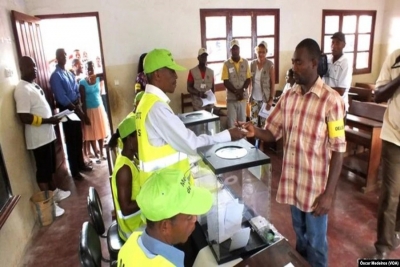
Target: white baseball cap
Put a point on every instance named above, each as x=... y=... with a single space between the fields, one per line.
x=234 y=42
x=202 y=51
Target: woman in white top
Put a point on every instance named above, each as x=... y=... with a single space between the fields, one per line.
x=262 y=88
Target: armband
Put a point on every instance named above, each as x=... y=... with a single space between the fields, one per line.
x=336 y=128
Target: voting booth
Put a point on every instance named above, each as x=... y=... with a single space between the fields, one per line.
x=238 y=175
x=201 y=122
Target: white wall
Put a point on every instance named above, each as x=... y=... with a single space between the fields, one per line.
x=17 y=230
x=390 y=28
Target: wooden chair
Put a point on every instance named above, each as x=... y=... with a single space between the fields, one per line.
x=370 y=86
x=186 y=101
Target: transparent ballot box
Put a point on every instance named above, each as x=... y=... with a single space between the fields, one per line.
x=238 y=175
x=201 y=122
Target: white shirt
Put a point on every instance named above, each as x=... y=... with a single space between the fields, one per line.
x=30 y=99
x=391 y=119
x=256 y=93
x=164 y=127
x=339 y=75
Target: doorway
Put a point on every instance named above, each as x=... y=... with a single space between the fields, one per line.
x=75 y=32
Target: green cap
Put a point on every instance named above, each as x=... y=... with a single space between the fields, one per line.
x=127 y=126
x=167 y=192
x=138 y=97
x=160 y=58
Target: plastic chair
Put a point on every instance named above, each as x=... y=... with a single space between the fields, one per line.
x=90 y=247
x=114 y=242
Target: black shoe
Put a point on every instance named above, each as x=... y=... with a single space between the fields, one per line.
x=78 y=177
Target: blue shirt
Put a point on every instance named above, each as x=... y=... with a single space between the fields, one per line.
x=92 y=93
x=64 y=87
x=156 y=247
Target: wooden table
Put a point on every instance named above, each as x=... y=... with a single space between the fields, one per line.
x=375 y=147
x=278 y=254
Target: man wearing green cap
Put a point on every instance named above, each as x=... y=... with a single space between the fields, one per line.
x=125 y=179
x=163 y=139
x=170 y=206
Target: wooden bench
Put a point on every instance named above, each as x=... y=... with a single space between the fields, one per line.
x=186 y=102
x=363 y=94
x=363 y=127
x=370 y=86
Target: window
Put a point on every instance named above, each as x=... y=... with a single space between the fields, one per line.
x=7 y=200
x=358 y=27
x=248 y=26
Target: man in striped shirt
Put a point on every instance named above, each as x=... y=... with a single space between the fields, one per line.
x=309 y=118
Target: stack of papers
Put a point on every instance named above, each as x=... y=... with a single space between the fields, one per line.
x=264 y=112
x=210 y=98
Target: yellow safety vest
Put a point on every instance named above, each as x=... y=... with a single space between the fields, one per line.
x=131 y=254
x=126 y=224
x=152 y=158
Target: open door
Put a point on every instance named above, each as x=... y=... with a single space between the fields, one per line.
x=28 y=40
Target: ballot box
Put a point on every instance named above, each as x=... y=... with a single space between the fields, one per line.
x=201 y=122
x=239 y=177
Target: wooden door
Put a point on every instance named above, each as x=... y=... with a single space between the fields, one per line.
x=28 y=40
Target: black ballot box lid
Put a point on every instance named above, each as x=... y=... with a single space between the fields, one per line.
x=197 y=117
x=232 y=156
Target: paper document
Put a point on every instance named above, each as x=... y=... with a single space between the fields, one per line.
x=240 y=239
x=63 y=113
x=210 y=98
x=73 y=117
x=264 y=112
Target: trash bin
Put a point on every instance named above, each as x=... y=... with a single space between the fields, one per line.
x=44 y=206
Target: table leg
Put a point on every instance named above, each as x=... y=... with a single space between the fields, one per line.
x=374 y=161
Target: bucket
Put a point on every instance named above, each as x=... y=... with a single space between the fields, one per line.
x=44 y=206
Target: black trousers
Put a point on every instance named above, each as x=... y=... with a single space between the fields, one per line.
x=74 y=140
x=45 y=158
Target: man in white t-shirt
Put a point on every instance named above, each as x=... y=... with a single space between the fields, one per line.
x=340 y=71
x=34 y=111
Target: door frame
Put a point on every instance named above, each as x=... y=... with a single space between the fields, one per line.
x=80 y=15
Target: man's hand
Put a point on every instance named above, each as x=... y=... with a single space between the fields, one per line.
x=53 y=120
x=203 y=95
x=322 y=204
x=246 y=127
x=269 y=104
x=236 y=133
x=239 y=94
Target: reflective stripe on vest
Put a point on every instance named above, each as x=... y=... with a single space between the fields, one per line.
x=160 y=163
x=126 y=224
x=131 y=254
x=151 y=157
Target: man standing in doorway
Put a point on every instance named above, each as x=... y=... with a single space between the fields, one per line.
x=66 y=93
x=236 y=76
x=340 y=71
x=309 y=118
x=34 y=111
x=200 y=80
x=387 y=90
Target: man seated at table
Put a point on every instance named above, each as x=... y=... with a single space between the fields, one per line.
x=170 y=206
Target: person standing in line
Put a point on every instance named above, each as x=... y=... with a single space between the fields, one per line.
x=66 y=93
x=164 y=141
x=34 y=111
x=340 y=71
x=236 y=76
x=309 y=118
x=262 y=83
x=388 y=224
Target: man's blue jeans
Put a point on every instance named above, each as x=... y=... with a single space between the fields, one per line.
x=311 y=241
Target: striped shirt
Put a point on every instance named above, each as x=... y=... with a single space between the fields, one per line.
x=301 y=120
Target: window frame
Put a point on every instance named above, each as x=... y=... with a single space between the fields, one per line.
x=229 y=13
x=357 y=13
